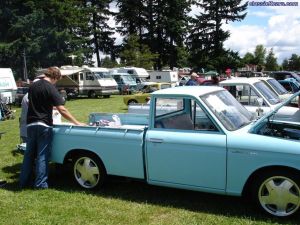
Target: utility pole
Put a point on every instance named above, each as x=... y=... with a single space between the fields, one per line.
x=25 y=75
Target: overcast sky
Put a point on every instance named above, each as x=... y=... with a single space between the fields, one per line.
x=276 y=27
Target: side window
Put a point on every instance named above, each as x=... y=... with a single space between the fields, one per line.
x=246 y=95
x=201 y=119
x=89 y=76
x=182 y=114
x=81 y=76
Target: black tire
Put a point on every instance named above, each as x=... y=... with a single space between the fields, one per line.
x=132 y=101
x=277 y=192
x=106 y=96
x=88 y=171
x=92 y=94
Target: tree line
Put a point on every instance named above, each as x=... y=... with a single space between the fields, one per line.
x=156 y=33
x=266 y=60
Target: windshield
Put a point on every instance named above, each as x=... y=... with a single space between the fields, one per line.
x=296 y=76
x=277 y=86
x=101 y=75
x=228 y=110
x=271 y=97
x=127 y=78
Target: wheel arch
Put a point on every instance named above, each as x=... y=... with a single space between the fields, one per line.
x=75 y=152
x=247 y=187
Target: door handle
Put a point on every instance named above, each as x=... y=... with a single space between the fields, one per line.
x=156 y=140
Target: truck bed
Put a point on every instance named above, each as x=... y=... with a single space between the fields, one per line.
x=120 y=148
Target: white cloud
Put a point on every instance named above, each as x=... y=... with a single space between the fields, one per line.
x=281 y=32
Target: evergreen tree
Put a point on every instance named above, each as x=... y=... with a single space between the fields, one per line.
x=160 y=24
x=294 y=63
x=285 y=64
x=98 y=28
x=47 y=31
x=206 y=37
x=135 y=54
x=271 y=61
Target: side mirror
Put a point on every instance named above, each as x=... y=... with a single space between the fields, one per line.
x=259 y=102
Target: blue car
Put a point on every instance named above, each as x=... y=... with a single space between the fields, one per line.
x=290 y=84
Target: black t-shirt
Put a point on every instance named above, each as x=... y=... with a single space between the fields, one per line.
x=42 y=97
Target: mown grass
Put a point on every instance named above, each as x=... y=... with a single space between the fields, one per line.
x=121 y=201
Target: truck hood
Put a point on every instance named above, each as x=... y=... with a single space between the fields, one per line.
x=274 y=111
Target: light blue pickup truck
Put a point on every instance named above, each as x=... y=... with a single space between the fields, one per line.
x=205 y=141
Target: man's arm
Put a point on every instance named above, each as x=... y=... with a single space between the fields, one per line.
x=67 y=115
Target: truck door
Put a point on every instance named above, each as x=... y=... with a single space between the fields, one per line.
x=185 y=148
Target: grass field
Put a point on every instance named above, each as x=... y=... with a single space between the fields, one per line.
x=121 y=201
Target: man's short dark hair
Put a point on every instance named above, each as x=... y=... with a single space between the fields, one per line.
x=53 y=73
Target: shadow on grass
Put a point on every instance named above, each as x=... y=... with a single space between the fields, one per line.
x=140 y=192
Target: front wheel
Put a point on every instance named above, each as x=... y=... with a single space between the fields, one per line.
x=88 y=171
x=278 y=193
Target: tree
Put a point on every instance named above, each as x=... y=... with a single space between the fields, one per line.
x=135 y=54
x=285 y=64
x=46 y=30
x=97 y=27
x=294 y=62
x=248 y=58
x=271 y=61
x=160 y=24
x=259 y=55
x=206 y=37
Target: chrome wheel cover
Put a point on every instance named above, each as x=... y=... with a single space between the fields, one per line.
x=279 y=196
x=86 y=172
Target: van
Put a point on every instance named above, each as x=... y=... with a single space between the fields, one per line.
x=90 y=81
x=8 y=87
x=126 y=83
x=139 y=74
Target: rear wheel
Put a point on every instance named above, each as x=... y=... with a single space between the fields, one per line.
x=88 y=171
x=106 y=96
x=278 y=192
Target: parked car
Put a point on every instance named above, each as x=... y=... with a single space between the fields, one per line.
x=21 y=91
x=144 y=95
x=281 y=75
x=255 y=95
x=208 y=142
x=183 y=80
x=278 y=89
x=290 y=84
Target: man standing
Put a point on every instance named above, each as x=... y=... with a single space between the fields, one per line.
x=193 y=80
x=42 y=96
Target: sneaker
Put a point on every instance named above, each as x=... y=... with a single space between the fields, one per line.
x=2 y=183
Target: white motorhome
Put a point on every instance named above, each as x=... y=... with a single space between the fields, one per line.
x=8 y=87
x=164 y=76
x=140 y=74
x=90 y=81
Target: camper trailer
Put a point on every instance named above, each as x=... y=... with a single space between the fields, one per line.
x=164 y=76
x=8 y=87
x=90 y=81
